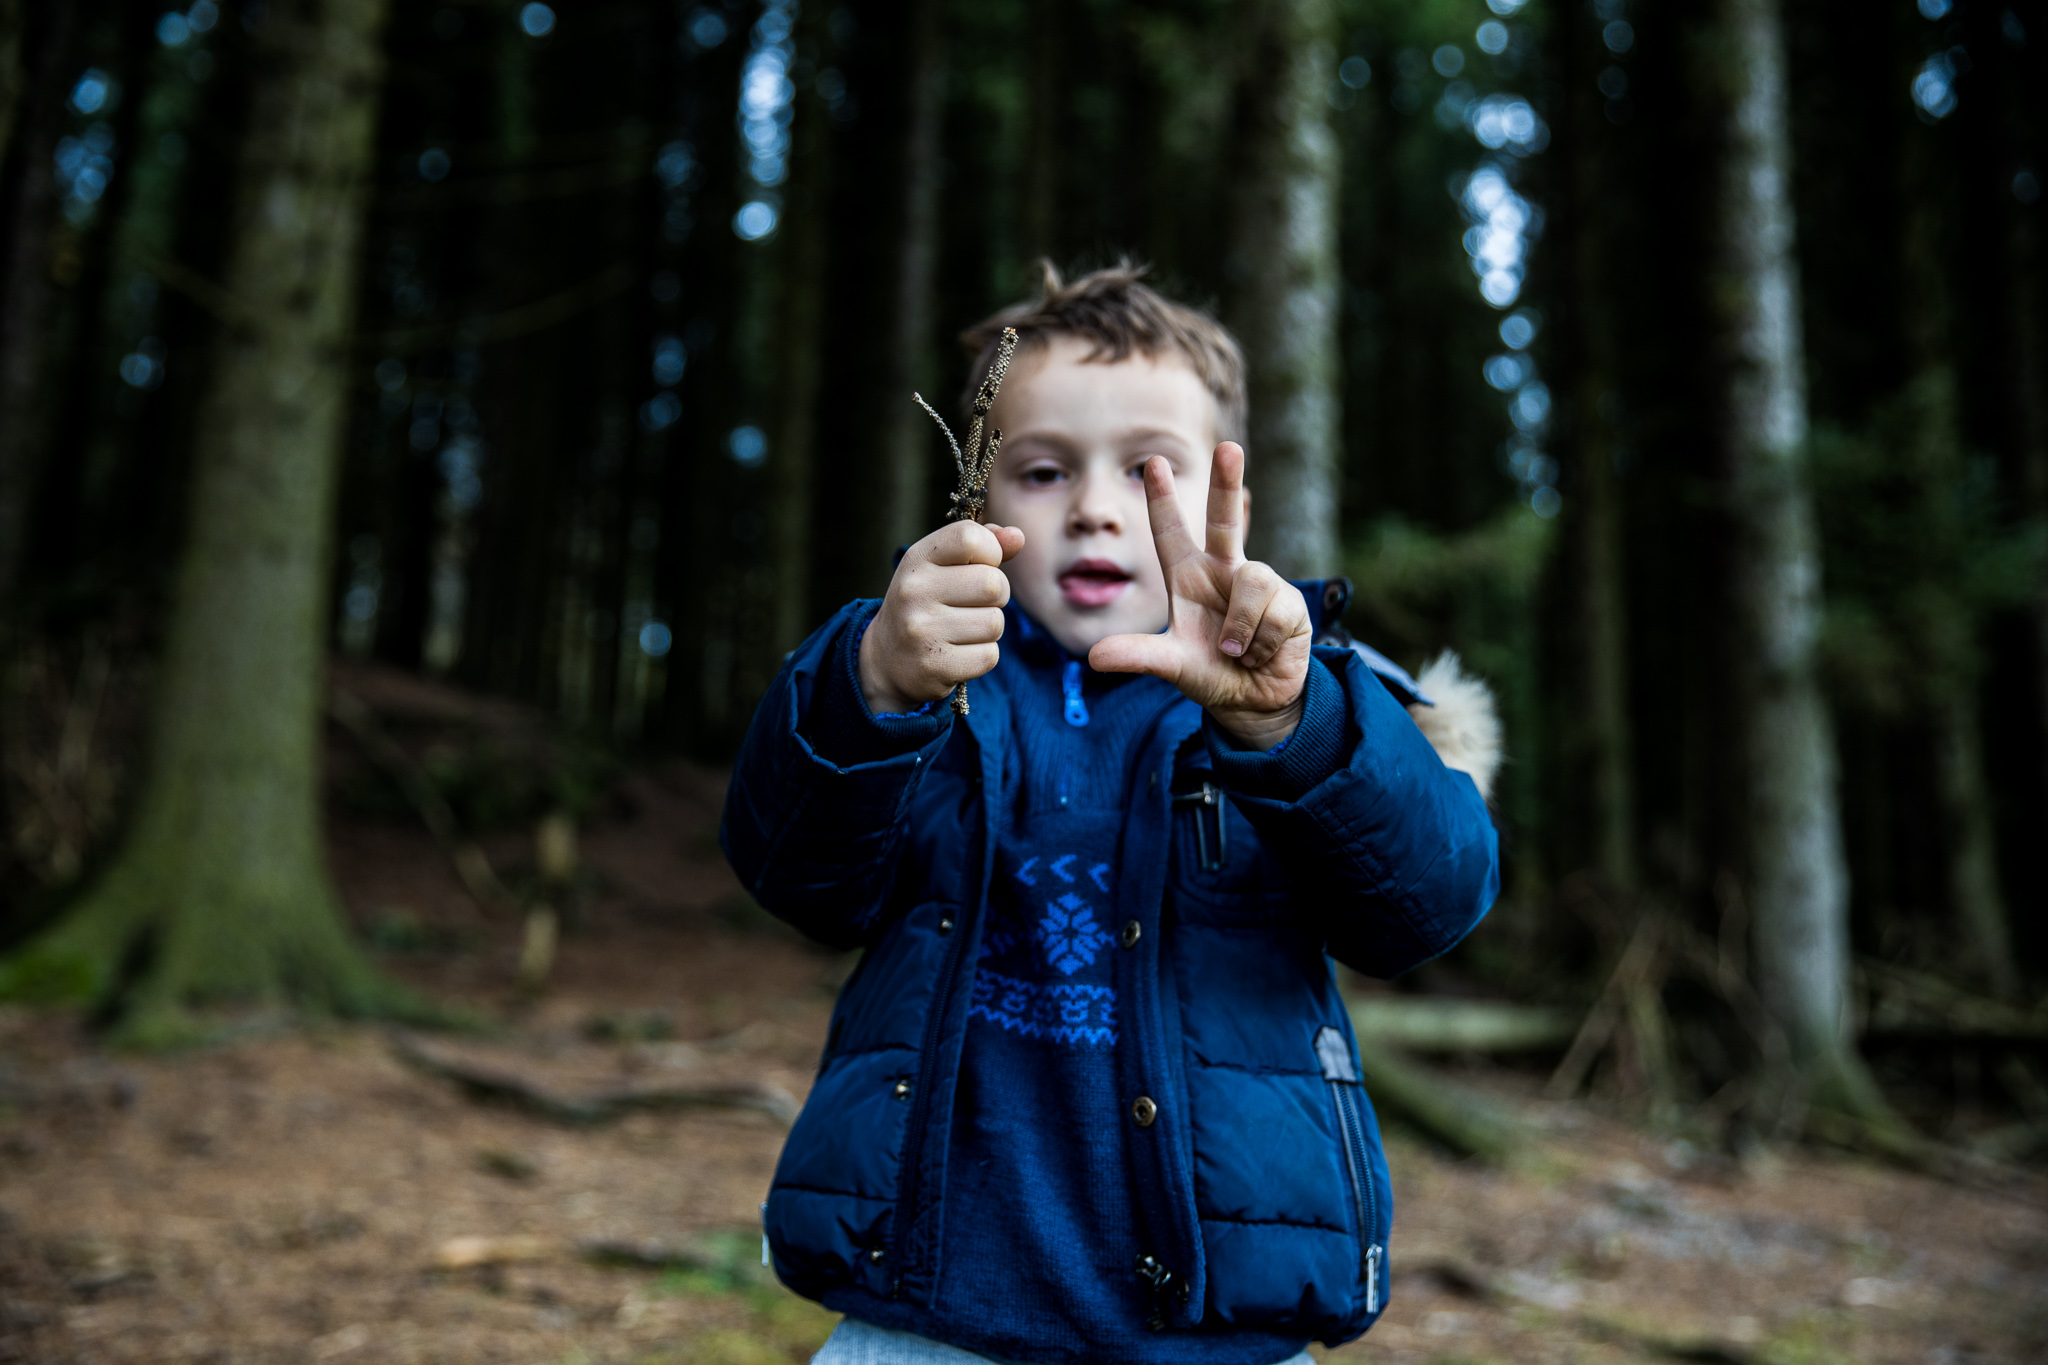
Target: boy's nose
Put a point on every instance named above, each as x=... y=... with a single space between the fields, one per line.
x=1094 y=519
x=1093 y=511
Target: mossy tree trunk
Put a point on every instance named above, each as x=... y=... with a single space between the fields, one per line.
x=220 y=893
x=1283 y=280
x=1790 y=816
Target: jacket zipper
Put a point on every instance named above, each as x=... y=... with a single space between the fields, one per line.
x=1070 y=687
x=1207 y=797
x=1342 y=1079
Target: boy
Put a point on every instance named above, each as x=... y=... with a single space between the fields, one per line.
x=1092 y=1094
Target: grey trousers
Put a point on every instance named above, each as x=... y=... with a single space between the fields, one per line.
x=857 y=1343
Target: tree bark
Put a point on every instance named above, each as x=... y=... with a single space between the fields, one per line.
x=1583 y=342
x=26 y=290
x=1791 y=818
x=13 y=29
x=908 y=440
x=790 y=456
x=1283 y=280
x=222 y=880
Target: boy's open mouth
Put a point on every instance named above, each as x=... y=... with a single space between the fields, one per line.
x=1092 y=582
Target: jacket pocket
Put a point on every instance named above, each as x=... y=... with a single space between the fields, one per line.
x=1340 y=1075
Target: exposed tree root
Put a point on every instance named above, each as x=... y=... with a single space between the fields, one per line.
x=159 y=957
x=496 y=1084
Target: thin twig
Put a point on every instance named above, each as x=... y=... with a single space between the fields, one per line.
x=959 y=462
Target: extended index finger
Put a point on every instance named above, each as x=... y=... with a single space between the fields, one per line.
x=1170 y=537
x=1227 y=503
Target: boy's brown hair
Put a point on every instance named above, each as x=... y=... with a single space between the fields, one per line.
x=1115 y=310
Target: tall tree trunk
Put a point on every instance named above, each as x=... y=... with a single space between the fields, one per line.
x=1934 y=446
x=1583 y=342
x=803 y=307
x=909 y=437
x=222 y=885
x=26 y=292
x=13 y=75
x=2026 y=378
x=1791 y=819
x=1282 y=277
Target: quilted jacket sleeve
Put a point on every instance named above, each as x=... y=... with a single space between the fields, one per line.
x=1391 y=854
x=815 y=840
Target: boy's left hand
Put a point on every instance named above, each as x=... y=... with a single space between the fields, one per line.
x=1237 y=633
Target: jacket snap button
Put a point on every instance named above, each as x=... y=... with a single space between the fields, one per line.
x=1144 y=1111
x=1129 y=937
x=878 y=1255
x=946 y=925
x=902 y=1091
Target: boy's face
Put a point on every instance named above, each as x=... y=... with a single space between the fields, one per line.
x=1076 y=435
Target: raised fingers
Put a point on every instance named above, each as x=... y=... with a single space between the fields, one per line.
x=1228 y=503
x=1170 y=536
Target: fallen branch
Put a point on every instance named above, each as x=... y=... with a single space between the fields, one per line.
x=646 y=1255
x=498 y=1085
x=1430 y=1024
x=1468 y=1124
x=466 y=1253
x=1910 y=1004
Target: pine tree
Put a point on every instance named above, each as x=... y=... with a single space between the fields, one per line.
x=1283 y=279
x=1798 y=876
x=220 y=893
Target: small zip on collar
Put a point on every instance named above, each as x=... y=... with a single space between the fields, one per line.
x=1070 y=684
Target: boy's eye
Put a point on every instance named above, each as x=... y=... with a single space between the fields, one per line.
x=1044 y=474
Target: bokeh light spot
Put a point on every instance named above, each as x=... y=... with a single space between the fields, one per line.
x=755 y=220
x=748 y=445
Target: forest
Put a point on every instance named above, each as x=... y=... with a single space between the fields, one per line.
x=426 y=427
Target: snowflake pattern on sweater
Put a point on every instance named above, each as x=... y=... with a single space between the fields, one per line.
x=1044 y=973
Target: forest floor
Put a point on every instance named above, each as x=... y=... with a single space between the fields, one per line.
x=300 y=1194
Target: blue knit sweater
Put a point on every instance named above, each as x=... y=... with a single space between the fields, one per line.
x=1040 y=1230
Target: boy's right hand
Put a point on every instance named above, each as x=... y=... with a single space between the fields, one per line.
x=940 y=620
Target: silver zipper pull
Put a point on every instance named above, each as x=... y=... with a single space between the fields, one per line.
x=1372 y=1279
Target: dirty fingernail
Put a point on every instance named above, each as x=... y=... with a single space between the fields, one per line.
x=1232 y=647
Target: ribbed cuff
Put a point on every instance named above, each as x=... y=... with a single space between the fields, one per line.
x=1319 y=746
x=839 y=724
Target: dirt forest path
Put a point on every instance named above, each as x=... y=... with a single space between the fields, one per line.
x=312 y=1196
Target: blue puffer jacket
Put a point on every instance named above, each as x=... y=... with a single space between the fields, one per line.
x=1257 y=1165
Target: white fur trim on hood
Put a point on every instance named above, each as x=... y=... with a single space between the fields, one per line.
x=1463 y=727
